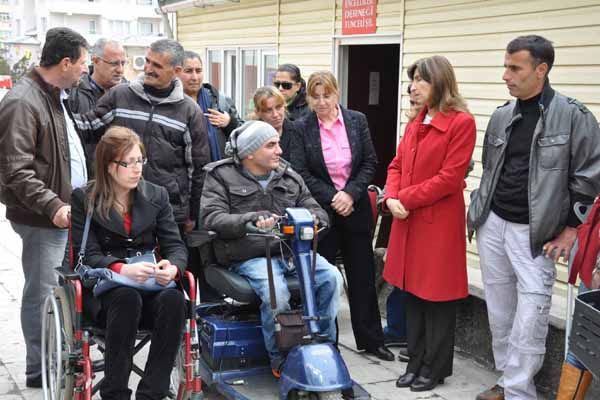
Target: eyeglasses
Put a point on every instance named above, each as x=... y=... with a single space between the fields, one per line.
x=283 y=84
x=116 y=63
x=131 y=164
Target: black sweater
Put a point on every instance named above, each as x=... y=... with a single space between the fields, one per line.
x=510 y=199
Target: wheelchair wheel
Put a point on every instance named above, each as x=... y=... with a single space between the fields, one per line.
x=57 y=345
x=177 y=389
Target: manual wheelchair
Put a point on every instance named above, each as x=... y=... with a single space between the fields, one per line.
x=68 y=367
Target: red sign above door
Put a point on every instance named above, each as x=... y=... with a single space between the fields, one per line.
x=359 y=17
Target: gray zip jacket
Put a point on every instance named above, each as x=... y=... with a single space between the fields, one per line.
x=564 y=164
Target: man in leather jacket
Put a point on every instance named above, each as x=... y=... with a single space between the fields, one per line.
x=541 y=155
x=41 y=161
x=219 y=111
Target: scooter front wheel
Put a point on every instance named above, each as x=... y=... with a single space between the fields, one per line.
x=302 y=395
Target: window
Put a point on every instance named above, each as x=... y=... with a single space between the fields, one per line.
x=269 y=67
x=215 y=61
x=4 y=17
x=92 y=26
x=249 y=77
x=237 y=73
x=4 y=34
x=144 y=2
x=231 y=74
x=146 y=28
x=44 y=23
x=118 y=27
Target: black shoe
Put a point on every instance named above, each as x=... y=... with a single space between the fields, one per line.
x=34 y=382
x=383 y=353
x=405 y=380
x=403 y=356
x=422 y=384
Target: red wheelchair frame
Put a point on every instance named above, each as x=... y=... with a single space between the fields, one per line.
x=67 y=366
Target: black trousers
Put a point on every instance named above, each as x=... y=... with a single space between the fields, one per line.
x=352 y=235
x=123 y=311
x=430 y=334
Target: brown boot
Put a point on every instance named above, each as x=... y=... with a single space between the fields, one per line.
x=574 y=383
x=494 y=393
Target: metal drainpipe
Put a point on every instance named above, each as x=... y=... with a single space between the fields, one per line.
x=278 y=25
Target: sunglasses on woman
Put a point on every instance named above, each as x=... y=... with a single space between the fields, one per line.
x=283 y=84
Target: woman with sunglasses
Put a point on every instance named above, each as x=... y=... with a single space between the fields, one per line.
x=269 y=107
x=293 y=88
x=131 y=216
x=335 y=156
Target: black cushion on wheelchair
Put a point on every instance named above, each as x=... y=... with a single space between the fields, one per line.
x=237 y=287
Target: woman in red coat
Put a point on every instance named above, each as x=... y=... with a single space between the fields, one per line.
x=427 y=247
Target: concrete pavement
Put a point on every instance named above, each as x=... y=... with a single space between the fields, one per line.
x=376 y=376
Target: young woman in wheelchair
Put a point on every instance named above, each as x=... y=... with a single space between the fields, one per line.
x=131 y=216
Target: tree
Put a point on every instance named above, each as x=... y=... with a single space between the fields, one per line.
x=20 y=67
x=4 y=67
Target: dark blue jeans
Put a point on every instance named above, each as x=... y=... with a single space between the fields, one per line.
x=396 y=315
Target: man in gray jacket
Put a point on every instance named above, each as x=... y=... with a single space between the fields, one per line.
x=256 y=185
x=541 y=155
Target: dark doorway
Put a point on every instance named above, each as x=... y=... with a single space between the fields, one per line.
x=373 y=90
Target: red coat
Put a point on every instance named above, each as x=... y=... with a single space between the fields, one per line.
x=427 y=251
x=588 y=239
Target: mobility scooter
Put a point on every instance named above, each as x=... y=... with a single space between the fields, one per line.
x=232 y=358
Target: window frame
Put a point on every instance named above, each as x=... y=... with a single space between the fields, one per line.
x=94 y=23
x=262 y=50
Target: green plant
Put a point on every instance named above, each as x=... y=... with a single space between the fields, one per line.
x=20 y=67
x=4 y=67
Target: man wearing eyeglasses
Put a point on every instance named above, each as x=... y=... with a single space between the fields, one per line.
x=108 y=66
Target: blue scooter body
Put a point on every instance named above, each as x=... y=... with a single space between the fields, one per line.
x=316 y=367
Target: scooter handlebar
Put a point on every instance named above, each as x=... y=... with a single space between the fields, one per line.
x=251 y=228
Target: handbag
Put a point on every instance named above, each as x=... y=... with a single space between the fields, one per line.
x=290 y=327
x=105 y=279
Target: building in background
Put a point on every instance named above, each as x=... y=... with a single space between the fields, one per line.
x=136 y=23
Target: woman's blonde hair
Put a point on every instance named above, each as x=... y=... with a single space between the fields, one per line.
x=260 y=98
x=114 y=144
x=324 y=78
x=438 y=72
